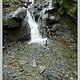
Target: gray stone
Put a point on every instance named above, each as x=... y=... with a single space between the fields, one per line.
x=19 y=14
x=53 y=18
x=25 y=5
x=49 y=76
x=42 y=68
x=54 y=27
x=14 y=18
x=25 y=29
x=39 y=7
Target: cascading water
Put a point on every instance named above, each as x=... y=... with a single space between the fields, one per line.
x=35 y=35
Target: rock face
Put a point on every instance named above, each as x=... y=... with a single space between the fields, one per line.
x=48 y=17
x=17 y=34
x=25 y=29
x=16 y=27
x=54 y=27
x=19 y=15
x=14 y=18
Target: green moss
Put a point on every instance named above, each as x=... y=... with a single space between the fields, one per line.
x=73 y=10
x=8 y=3
x=66 y=6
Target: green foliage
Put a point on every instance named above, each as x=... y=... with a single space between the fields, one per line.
x=73 y=10
x=63 y=6
x=10 y=2
x=66 y=6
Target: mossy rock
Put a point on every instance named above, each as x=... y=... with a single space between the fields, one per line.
x=8 y=3
x=73 y=10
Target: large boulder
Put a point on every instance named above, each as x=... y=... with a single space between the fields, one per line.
x=25 y=30
x=17 y=34
x=14 y=18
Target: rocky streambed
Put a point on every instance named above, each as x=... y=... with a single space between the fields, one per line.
x=57 y=61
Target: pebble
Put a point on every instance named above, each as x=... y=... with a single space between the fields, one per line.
x=42 y=68
x=5 y=66
x=71 y=78
x=34 y=63
x=33 y=75
x=66 y=75
x=22 y=62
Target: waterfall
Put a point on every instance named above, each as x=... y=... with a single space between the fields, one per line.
x=35 y=35
x=50 y=4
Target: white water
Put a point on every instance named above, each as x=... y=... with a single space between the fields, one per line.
x=35 y=35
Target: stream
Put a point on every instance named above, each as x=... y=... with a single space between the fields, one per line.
x=35 y=35
x=47 y=58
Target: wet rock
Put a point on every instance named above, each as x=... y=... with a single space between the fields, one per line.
x=19 y=14
x=16 y=34
x=54 y=27
x=46 y=4
x=25 y=5
x=25 y=30
x=28 y=2
x=53 y=18
x=36 y=16
x=52 y=10
x=35 y=5
x=39 y=7
x=45 y=16
x=42 y=68
x=14 y=18
x=50 y=76
x=34 y=63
